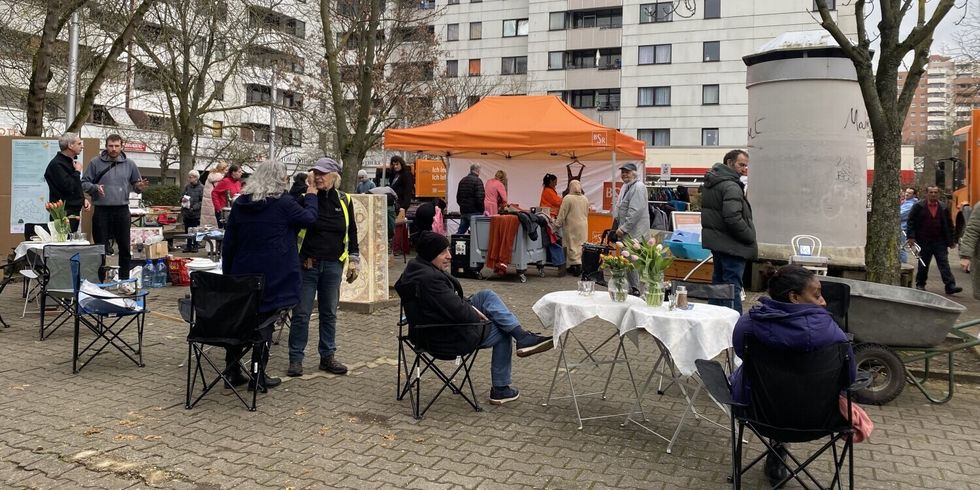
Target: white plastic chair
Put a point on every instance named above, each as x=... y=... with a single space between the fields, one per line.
x=806 y=252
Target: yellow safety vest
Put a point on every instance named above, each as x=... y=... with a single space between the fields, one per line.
x=344 y=201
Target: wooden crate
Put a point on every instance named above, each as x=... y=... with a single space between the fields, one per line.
x=681 y=267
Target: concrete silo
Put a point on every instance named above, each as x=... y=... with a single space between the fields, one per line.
x=807 y=140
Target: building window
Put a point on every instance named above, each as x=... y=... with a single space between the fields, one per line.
x=709 y=95
x=602 y=18
x=290 y=99
x=453 y=2
x=712 y=9
x=653 y=96
x=472 y=100
x=475 y=67
x=556 y=60
x=607 y=99
x=709 y=137
x=656 y=12
x=831 y=4
x=452 y=32
x=257 y=94
x=514 y=65
x=219 y=90
x=515 y=27
x=217 y=128
x=452 y=68
x=451 y=104
x=654 y=55
x=654 y=137
x=712 y=51
x=290 y=136
x=557 y=21
x=427 y=4
x=476 y=30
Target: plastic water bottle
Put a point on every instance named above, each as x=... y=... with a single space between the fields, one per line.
x=161 y=275
x=147 y=275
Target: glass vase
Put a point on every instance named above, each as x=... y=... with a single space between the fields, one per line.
x=654 y=286
x=59 y=230
x=618 y=287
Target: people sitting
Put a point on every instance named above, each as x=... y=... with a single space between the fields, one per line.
x=792 y=317
x=444 y=303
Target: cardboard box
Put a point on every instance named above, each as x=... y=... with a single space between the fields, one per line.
x=158 y=250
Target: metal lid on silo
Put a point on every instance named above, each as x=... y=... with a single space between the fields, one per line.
x=799 y=55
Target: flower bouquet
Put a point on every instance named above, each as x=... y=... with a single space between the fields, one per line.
x=59 y=220
x=650 y=259
x=618 y=266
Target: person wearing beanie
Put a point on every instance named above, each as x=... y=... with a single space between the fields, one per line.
x=364 y=184
x=445 y=303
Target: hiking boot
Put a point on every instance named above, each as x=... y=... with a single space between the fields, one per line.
x=265 y=382
x=234 y=377
x=954 y=290
x=295 y=369
x=774 y=469
x=504 y=394
x=533 y=343
x=332 y=366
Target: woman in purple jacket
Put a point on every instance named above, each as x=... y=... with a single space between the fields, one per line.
x=792 y=317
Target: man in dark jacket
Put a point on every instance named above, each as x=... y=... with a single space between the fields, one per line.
x=190 y=206
x=726 y=222
x=427 y=288
x=328 y=245
x=63 y=176
x=469 y=196
x=931 y=228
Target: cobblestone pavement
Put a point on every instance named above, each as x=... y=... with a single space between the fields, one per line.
x=119 y=426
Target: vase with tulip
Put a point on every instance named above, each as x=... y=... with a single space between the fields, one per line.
x=650 y=259
x=61 y=226
x=618 y=266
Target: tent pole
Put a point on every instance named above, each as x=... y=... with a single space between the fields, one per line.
x=612 y=183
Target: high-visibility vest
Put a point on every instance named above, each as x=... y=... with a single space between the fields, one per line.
x=344 y=202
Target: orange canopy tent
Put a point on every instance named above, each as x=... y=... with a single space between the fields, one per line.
x=529 y=127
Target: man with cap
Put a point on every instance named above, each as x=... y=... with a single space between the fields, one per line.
x=632 y=217
x=325 y=249
x=443 y=303
x=364 y=184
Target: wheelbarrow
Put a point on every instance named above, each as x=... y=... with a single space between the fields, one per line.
x=895 y=327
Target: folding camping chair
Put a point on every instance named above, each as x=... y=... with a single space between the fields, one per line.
x=9 y=269
x=838 y=298
x=106 y=314
x=31 y=273
x=223 y=312
x=784 y=409
x=429 y=344
x=57 y=283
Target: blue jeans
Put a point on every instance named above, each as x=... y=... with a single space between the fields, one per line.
x=464 y=223
x=729 y=269
x=322 y=281
x=503 y=325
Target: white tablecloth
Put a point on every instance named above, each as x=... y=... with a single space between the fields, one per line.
x=699 y=333
x=564 y=310
x=23 y=247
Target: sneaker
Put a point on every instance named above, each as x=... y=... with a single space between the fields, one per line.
x=499 y=396
x=954 y=290
x=295 y=369
x=332 y=366
x=533 y=343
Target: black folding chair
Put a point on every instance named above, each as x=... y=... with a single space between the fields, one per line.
x=793 y=398
x=107 y=314
x=429 y=344
x=223 y=312
x=9 y=269
x=58 y=284
x=838 y=298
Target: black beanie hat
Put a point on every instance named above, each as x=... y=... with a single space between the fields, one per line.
x=430 y=245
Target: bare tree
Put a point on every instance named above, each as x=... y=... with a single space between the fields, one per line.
x=887 y=106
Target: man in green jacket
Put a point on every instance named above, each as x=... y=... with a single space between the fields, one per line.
x=726 y=222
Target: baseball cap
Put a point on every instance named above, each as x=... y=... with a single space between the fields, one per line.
x=629 y=166
x=326 y=165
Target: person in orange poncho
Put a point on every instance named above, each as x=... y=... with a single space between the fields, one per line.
x=549 y=196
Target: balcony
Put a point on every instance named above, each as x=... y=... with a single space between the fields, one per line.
x=606 y=116
x=593 y=4
x=592 y=38
x=591 y=78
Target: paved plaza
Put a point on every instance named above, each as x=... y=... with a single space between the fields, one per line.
x=115 y=425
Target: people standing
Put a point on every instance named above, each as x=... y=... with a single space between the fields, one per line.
x=208 y=216
x=364 y=184
x=260 y=238
x=190 y=207
x=63 y=176
x=495 y=195
x=549 y=196
x=225 y=190
x=970 y=252
x=931 y=228
x=403 y=183
x=328 y=245
x=726 y=222
x=632 y=218
x=573 y=219
x=469 y=196
x=109 y=179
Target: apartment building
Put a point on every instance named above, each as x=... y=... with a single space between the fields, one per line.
x=943 y=100
x=663 y=72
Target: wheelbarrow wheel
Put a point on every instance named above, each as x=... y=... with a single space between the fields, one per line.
x=887 y=373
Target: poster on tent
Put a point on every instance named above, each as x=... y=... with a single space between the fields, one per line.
x=28 y=190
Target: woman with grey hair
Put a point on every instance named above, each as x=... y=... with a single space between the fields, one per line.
x=260 y=238
x=190 y=206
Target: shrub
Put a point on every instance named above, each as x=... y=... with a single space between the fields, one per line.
x=162 y=195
